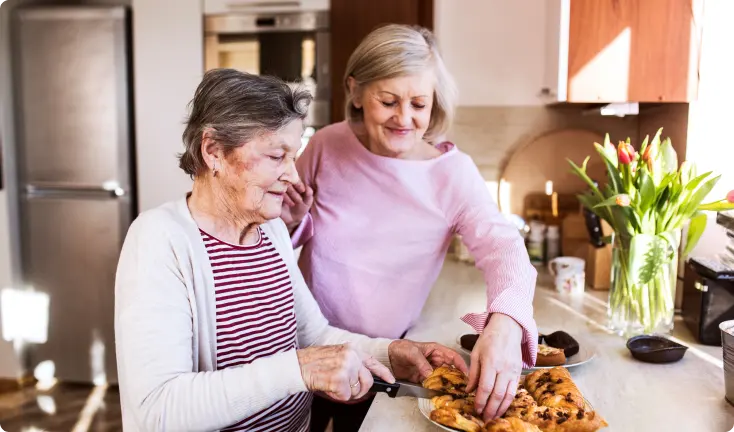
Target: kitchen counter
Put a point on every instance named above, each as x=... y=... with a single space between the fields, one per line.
x=630 y=395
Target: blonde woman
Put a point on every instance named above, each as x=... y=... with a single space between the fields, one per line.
x=381 y=196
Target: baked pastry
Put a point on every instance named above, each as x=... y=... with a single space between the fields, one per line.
x=562 y=340
x=546 y=401
x=464 y=405
x=550 y=400
x=549 y=356
x=554 y=388
x=447 y=379
x=453 y=418
x=510 y=424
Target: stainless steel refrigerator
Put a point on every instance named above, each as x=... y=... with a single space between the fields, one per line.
x=76 y=175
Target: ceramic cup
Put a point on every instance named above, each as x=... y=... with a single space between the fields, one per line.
x=569 y=274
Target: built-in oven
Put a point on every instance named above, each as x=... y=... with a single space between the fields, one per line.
x=291 y=45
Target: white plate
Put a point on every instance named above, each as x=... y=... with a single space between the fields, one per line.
x=586 y=353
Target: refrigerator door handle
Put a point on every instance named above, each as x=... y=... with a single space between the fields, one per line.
x=63 y=191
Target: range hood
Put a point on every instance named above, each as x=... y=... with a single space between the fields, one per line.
x=620 y=109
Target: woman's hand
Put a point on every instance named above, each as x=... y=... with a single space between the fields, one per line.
x=340 y=371
x=414 y=361
x=496 y=366
x=296 y=203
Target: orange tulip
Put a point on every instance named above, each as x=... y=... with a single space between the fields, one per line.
x=623 y=200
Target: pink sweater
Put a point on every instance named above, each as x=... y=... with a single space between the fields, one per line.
x=378 y=232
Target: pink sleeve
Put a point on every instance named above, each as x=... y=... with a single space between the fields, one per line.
x=499 y=252
x=303 y=232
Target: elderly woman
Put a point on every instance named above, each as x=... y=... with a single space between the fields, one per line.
x=215 y=326
x=381 y=196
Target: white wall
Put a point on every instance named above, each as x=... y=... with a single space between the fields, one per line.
x=168 y=67
x=709 y=119
x=495 y=49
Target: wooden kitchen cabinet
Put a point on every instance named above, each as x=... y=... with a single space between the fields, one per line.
x=352 y=20
x=622 y=50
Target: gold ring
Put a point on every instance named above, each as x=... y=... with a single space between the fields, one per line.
x=354 y=385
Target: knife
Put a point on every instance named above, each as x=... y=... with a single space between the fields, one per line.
x=403 y=388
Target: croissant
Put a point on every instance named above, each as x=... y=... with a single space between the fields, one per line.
x=537 y=403
x=465 y=406
x=447 y=379
x=554 y=388
x=510 y=424
x=453 y=418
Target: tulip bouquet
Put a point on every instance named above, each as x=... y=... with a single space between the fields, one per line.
x=647 y=201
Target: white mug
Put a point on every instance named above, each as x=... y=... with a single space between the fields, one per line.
x=569 y=274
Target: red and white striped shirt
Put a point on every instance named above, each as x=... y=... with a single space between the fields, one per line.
x=255 y=313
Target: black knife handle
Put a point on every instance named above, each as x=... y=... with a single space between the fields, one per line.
x=384 y=387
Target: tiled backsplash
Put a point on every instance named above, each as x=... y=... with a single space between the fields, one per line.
x=490 y=134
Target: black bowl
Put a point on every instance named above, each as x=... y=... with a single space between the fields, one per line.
x=655 y=349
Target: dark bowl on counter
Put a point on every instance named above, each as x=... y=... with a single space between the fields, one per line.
x=655 y=349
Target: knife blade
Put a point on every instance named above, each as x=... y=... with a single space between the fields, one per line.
x=402 y=389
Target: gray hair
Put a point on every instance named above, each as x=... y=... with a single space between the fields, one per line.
x=396 y=50
x=237 y=107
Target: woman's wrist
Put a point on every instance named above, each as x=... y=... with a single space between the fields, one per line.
x=499 y=322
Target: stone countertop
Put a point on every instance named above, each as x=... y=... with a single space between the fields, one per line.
x=630 y=395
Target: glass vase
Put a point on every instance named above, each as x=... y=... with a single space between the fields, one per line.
x=642 y=308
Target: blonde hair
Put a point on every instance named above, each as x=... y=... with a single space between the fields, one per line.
x=398 y=50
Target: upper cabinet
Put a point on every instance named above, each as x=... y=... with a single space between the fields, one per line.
x=214 y=7
x=622 y=50
x=494 y=49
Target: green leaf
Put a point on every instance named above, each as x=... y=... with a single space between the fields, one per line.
x=695 y=229
x=717 y=206
x=668 y=156
x=608 y=151
x=581 y=172
x=700 y=195
x=656 y=139
x=614 y=179
x=665 y=182
x=588 y=200
x=648 y=254
x=647 y=192
x=693 y=184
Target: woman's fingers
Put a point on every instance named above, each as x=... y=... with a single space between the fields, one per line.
x=308 y=196
x=485 y=385
x=499 y=391
x=378 y=369
x=294 y=195
x=509 y=396
x=365 y=383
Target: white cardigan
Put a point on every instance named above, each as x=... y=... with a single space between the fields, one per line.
x=166 y=333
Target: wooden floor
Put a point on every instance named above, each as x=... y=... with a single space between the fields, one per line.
x=66 y=407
